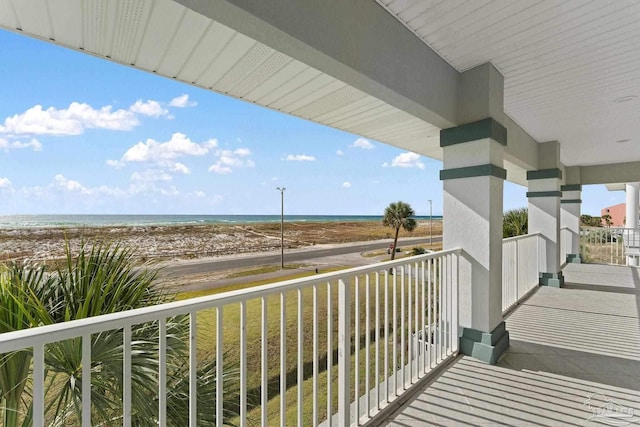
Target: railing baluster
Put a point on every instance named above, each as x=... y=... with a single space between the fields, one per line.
x=283 y=358
x=423 y=347
x=386 y=335
x=219 y=367
x=86 y=380
x=393 y=333
x=315 y=356
x=367 y=343
x=406 y=328
x=300 y=356
x=243 y=364
x=356 y=388
x=193 y=369
x=439 y=347
x=344 y=353
x=416 y=356
x=264 y=378
x=38 y=385
x=162 y=372
x=377 y=349
x=329 y=356
x=126 y=373
x=430 y=299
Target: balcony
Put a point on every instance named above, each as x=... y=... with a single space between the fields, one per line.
x=378 y=344
x=574 y=358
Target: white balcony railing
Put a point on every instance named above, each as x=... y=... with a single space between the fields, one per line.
x=609 y=245
x=361 y=338
x=520 y=257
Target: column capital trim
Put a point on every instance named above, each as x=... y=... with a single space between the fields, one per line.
x=531 y=194
x=571 y=201
x=473 y=171
x=544 y=174
x=571 y=187
x=485 y=128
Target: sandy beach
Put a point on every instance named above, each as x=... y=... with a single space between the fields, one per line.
x=195 y=241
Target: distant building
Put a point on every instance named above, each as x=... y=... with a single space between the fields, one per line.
x=617 y=214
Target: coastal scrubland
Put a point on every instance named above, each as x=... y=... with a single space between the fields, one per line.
x=195 y=241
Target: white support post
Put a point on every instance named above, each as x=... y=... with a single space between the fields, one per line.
x=473 y=179
x=570 y=205
x=544 y=212
x=631 y=217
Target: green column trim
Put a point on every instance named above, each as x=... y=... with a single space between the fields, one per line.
x=544 y=174
x=473 y=171
x=571 y=187
x=571 y=201
x=485 y=346
x=553 y=280
x=531 y=194
x=574 y=259
x=485 y=128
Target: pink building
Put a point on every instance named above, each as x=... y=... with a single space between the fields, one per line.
x=617 y=214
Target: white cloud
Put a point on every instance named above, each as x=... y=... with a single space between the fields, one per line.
x=362 y=143
x=182 y=101
x=300 y=158
x=200 y=194
x=154 y=151
x=70 y=185
x=148 y=108
x=180 y=168
x=406 y=160
x=117 y=164
x=5 y=183
x=346 y=184
x=340 y=152
x=229 y=159
x=385 y=165
x=73 y=120
x=150 y=175
x=7 y=145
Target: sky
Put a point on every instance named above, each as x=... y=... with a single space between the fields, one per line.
x=82 y=135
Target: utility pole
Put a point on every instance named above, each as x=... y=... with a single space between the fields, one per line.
x=281 y=190
x=430 y=224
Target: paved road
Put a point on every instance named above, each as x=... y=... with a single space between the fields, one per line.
x=228 y=263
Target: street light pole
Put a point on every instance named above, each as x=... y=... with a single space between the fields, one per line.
x=430 y=224
x=281 y=190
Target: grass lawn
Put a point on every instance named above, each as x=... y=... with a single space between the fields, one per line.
x=206 y=339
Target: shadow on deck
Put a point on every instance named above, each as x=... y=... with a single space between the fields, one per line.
x=574 y=360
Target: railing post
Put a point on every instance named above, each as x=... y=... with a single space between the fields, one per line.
x=344 y=353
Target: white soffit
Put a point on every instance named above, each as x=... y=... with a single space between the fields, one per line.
x=571 y=67
x=166 y=38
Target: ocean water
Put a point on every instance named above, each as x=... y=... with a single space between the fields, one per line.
x=45 y=221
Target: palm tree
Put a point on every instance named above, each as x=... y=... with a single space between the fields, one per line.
x=100 y=280
x=515 y=222
x=398 y=215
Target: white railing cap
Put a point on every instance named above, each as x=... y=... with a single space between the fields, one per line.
x=521 y=237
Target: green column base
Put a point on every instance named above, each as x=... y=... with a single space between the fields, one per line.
x=485 y=346
x=574 y=259
x=554 y=280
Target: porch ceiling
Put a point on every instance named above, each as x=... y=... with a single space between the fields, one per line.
x=570 y=66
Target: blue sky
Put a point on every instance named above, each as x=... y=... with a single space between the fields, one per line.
x=83 y=135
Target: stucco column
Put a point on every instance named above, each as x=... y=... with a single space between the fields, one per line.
x=544 y=218
x=570 y=205
x=473 y=178
x=631 y=213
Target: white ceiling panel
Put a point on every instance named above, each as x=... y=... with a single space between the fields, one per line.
x=565 y=63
